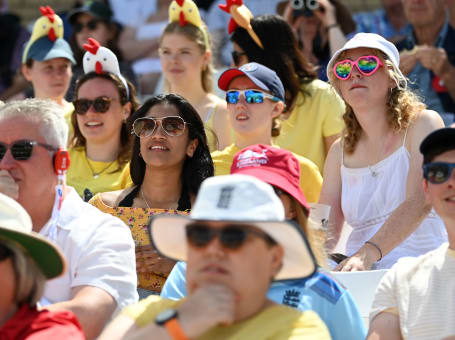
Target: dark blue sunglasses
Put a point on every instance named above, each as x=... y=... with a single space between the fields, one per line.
x=438 y=172
x=251 y=96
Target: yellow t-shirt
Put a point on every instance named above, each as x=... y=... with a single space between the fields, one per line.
x=80 y=176
x=68 y=111
x=137 y=220
x=276 y=322
x=313 y=119
x=310 y=177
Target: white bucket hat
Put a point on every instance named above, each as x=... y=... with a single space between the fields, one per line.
x=370 y=40
x=16 y=227
x=238 y=199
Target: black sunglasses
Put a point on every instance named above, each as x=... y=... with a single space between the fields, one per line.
x=236 y=56
x=22 y=149
x=5 y=252
x=91 y=25
x=438 y=172
x=231 y=237
x=100 y=105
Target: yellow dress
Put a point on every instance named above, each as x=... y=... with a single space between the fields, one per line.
x=137 y=220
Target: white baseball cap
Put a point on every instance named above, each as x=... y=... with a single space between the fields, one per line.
x=370 y=40
x=238 y=199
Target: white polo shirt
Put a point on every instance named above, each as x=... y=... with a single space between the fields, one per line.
x=99 y=251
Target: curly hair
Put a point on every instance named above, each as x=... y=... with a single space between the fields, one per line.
x=402 y=105
x=195 y=169
x=281 y=53
x=197 y=35
x=78 y=140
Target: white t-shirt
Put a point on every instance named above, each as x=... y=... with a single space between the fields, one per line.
x=99 y=251
x=421 y=291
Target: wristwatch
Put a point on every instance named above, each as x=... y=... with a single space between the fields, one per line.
x=168 y=319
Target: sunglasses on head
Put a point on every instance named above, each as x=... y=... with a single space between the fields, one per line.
x=22 y=149
x=251 y=96
x=5 y=252
x=91 y=25
x=173 y=126
x=231 y=237
x=438 y=172
x=236 y=56
x=367 y=65
x=100 y=105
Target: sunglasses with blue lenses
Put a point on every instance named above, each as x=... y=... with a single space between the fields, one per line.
x=251 y=96
x=438 y=172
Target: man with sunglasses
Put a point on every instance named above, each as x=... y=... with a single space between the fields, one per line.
x=255 y=100
x=236 y=242
x=99 y=249
x=414 y=300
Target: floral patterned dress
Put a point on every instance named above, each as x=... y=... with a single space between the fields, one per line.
x=137 y=220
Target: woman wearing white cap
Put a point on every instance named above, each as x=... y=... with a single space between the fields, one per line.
x=27 y=260
x=372 y=177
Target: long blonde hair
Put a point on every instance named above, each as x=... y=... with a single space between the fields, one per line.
x=402 y=105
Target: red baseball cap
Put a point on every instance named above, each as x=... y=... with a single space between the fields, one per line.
x=275 y=166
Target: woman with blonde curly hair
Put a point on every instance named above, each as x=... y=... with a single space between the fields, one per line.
x=373 y=174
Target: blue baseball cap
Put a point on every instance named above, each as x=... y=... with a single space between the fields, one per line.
x=265 y=78
x=44 y=49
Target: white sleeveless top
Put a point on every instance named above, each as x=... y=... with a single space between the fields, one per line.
x=370 y=195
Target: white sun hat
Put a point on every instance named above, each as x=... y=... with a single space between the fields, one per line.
x=370 y=40
x=238 y=199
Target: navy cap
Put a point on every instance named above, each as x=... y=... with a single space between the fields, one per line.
x=441 y=140
x=265 y=78
x=44 y=49
x=96 y=9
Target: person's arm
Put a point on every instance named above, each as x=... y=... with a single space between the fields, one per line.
x=222 y=125
x=385 y=326
x=328 y=141
x=410 y=213
x=92 y=306
x=331 y=194
x=132 y=48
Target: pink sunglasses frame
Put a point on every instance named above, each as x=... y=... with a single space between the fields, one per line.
x=356 y=63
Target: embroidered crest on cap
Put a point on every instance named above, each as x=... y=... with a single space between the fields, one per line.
x=252 y=158
x=248 y=67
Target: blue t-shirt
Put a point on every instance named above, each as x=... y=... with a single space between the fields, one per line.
x=320 y=293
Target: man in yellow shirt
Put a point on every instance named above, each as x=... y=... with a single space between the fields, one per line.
x=255 y=100
x=235 y=242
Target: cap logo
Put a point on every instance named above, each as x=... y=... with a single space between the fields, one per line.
x=248 y=67
x=252 y=158
x=225 y=197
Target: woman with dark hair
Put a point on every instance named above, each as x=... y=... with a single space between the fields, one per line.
x=170 y=160
x=312 y=119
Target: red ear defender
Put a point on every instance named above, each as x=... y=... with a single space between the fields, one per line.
x=61 y=161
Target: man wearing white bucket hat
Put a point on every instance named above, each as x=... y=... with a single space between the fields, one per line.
x=236 y=242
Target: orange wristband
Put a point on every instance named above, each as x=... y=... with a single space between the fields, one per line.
x=174 y=330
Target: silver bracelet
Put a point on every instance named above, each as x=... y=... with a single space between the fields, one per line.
x=377 y=247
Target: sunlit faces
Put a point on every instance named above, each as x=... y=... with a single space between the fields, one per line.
x=160 y=149
x=101 y=127
x=181 y=58
x=35 y=177
x=255 y=118
x=424 y=12
x=50 y=78
x=442 y=196
x=99 y=32
x=247 y=270
x=360 y=90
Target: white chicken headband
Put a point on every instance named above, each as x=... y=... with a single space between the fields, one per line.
x=100 y=59
x=186 y=12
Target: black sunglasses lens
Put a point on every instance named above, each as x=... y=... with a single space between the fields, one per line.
x=198 y=235
x=81 y=106
x=438 y=173
x=77 y=27
x=91 y=25
x=173 y=125
x=22 y=150
x=233 y=237
x=2 y=150
x=101 y=104
x=5 y=252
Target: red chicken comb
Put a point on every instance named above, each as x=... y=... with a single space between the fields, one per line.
x=92 y=46
x=228 y=5
x=48 y=12
x=180 y=2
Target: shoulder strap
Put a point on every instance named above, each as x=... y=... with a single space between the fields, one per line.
x=342 y=150
x=128 y=200
x=405 y=134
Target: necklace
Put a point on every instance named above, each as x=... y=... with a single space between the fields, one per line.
x=97 y=174
x=145 y=200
